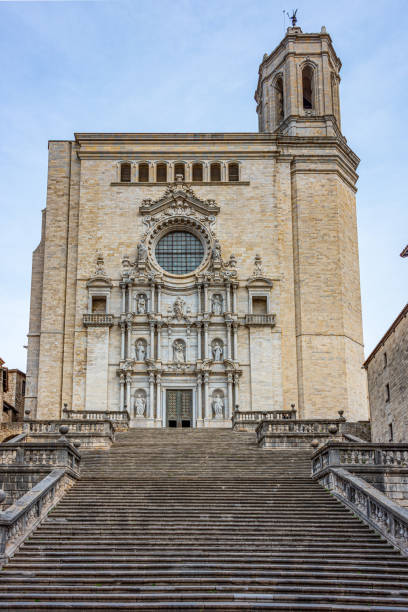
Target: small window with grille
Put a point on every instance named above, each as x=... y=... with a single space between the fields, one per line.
x=215 y=172
x=197 y=172
x=161 y=173
x=233 y=172
x=125 y=170
x=143 y=173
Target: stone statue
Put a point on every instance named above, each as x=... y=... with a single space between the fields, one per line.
x=216 y=251
x=258 y=269
x=218 y=407
x=217 y=351
x=178 y=308
x=217 y=304
x=141 y=304
x=178 y=351
x=140 y=404
x=293 y=17
x=141 y=251
x=140 y=350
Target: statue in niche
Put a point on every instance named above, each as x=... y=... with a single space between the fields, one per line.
x=140 y=404
x=178 y=351
x=216 y=251
x=217 y=304
x=178 y=308
x=218 y=405
x=141 y=304
x=140 y=350
x=217 y=350
x=141 y=252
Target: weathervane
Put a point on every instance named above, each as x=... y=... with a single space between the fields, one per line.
x=293 y=17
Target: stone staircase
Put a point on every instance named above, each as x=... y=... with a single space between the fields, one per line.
x=202 y=519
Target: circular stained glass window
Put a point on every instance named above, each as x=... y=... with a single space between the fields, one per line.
x=179 y=252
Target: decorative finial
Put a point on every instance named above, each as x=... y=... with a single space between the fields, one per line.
x=100 y=265
x=293 y=17
x=258 y=268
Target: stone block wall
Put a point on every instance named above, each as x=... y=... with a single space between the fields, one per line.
x=16 y=483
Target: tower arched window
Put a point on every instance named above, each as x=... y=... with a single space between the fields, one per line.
x=143 y=173
x=125 y=173
x=307 y=87
x=161 y=173
x=279 y=100
x=179 y=169
x=197 y=172
x=215 y=172
x=233 y=172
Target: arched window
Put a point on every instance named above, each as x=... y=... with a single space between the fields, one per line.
x=307 y=86
x=179 y=169
x=233 y=172
x=279 y=100
x=197 y=172
x=161 y=173
x=125 y=173
x=215 y=172
x=143 y=173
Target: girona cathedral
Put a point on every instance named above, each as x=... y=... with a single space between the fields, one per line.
x=182 y=275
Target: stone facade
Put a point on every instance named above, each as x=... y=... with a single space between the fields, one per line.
x=271 y=314
x=12 y=394
x=387 y=372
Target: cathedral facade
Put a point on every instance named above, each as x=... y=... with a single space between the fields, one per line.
x=182 y=275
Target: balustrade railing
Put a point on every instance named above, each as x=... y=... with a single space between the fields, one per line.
x=249 y=419
x=21 y=518
x=98 y=319
x=116 y=416
x=75 y=427
x=260 y=319
x=377 y=510
x=298 y=427
x=359 y=456
x=36 y=454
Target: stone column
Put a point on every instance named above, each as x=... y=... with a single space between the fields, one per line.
x=206 y=406
x=159 y=287
x=228 y=293
x=151 y=395
x=230 y=399
x=159 y=326
x=205 y=297
x=206 y=171
x=151 y=340
x=122 y=392
x=123 y=297
x=152 y=299
x=122 y=342
x=199 y=398
x=205 y=340
x=188 y=171
x=198 y=340
x=129 y=337
x=170 y=172
x=236 y=386
x=128 y=381
x=152 y=166
x=224 y=171
x=235 y=340
x=228 y=323
x=234 y=298
x=158 y=397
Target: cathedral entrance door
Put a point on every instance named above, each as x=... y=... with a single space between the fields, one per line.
x=179 y=407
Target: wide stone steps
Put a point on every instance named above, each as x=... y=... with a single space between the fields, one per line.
x=202 y=519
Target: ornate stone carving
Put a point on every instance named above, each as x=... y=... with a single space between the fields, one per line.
x=179 y=351
x=218 y=406
x=140 y=350
x=217 y=304
x=141 y=303
x=140 y=403
x=217 y=349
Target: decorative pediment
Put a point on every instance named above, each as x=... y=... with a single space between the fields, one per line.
x=99 y=278
x=179 y=199
x=258 y=278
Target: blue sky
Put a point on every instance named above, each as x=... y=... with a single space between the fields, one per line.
x=192 y=65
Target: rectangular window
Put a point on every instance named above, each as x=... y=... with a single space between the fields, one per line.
x=385 y=360
x=390 y=433
x=23 y=387
x=259 y=305
x=5 y=380
x=99 y=304
x=387 y=393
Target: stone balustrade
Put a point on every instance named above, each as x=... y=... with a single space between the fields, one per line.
x=98 y=319
x=120 y=418
x=377 y=510
x=354 y=456
x=260 y=319
x=297 y=433
x=35 y=454
x=249 y=419
x=88 y=433
x=21 y=518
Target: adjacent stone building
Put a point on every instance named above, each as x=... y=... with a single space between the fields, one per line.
x=387 y=372
x=12 y=394
x=180 y=275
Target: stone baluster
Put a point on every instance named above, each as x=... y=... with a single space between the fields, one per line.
x=122 y=343
x=199 y=397
x=128 y=381
x=228 y=324
x=206 y=405
x=235 y=340
x=205 y=340
x=151 y=395
x=151 y=323
x=158 y=397
x=230 y=399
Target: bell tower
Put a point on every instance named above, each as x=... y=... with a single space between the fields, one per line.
x=298 y=86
